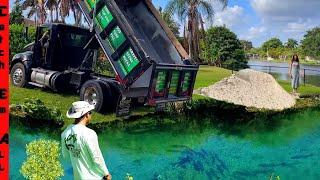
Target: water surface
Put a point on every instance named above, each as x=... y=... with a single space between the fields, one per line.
x=280 y=71
x=288 y=147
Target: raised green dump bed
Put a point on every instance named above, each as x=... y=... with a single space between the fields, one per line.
x=143 y=53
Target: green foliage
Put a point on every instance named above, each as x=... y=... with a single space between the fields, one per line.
x=192 y=13
x=273 y=43
x=291 y=43
x=42 y=161
x=311 y=43
x=167 y=17
x=18 y=39
x=16 y=16
x=223 y=48
x=129 y=177
x=247 y=45
x=37 y=113
x=103 y=66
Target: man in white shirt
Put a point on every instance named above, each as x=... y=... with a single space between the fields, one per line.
x=80 y=144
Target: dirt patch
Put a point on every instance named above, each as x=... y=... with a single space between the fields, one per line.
x=250 y=88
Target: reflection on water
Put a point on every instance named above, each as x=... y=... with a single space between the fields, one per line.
x=287 y=146
x=280 y=71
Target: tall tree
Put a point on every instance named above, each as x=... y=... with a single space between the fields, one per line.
x=247 y=45
x=167 y=17
x=311 y=43
x=52 y=6
x=16 y=16
x=70 y=5
x=192 y=12
x=291 y=43
x=272 y=43
x=35 y=8
x=224 y=48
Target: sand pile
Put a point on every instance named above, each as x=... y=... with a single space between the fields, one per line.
x=250 y=88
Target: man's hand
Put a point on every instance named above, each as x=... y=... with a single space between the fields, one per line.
x=107 y=177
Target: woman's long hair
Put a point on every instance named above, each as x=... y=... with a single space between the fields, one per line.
x=295 y=59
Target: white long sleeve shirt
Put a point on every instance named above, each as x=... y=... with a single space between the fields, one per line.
x=80 y=144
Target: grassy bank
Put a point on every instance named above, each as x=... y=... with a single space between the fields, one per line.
x=206 y=76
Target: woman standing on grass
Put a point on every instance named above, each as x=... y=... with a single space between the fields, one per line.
x=294 y=72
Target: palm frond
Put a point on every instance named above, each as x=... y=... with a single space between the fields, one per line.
x=206 y=9
x=179 y=7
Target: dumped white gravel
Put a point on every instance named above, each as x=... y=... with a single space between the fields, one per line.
x=250 y=88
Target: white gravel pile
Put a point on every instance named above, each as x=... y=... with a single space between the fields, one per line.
x=250 y=88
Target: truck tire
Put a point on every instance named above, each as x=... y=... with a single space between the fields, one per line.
x=96 y=93
x=18 y=75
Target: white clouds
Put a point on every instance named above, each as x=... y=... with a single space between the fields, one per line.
x=287 y=18
x=255 y=32
x=297 y=27
x=230 y=16
x=285 y=10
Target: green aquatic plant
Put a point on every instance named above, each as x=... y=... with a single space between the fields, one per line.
x=42 y=161
x=274 y=177
x=129 y=177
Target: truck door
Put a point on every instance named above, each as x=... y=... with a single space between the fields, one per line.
x=41 y=46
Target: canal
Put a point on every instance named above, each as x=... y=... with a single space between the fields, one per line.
x=280 y=71
x=289 y=148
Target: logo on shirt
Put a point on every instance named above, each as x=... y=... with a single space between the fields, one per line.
x=70 y=142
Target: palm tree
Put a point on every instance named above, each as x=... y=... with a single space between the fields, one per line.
x=36 y=8
x=193 y=12
x=174 y=27
x=52 y=5
x=70 y=5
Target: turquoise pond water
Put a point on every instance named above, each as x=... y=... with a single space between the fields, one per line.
x=289 y=149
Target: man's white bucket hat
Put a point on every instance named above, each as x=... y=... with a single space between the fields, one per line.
x=79 y=109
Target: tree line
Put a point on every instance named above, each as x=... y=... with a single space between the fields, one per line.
x=308 y=48
x=46 y=11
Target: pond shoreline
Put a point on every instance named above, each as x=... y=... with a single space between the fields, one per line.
x=199 y=111
x=309 y=63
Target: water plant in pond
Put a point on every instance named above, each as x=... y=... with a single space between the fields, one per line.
x=129 y=177
x=42 y=160
x=197 y=164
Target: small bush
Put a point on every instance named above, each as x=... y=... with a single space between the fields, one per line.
x=37 y=113
x=42 y=161
x=17 y=38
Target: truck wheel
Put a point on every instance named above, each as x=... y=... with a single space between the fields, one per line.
x=18 y=75
x=96 y=93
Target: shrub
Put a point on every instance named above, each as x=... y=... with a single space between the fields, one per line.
x=223 y=48
x=17 y=38
x=103 y=66
x=37 y=113
x=42 y=160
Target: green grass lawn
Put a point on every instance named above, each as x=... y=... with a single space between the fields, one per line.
x=207 y=75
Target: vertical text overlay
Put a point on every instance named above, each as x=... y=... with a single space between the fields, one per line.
x=4 y=92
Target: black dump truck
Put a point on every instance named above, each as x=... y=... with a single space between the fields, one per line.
x=149 y=63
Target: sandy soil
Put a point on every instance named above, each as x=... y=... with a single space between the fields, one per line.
x=252 y=89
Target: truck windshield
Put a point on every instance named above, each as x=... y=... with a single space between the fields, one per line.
x=75 y=40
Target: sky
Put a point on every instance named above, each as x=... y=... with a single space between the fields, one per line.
x=260 y=20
